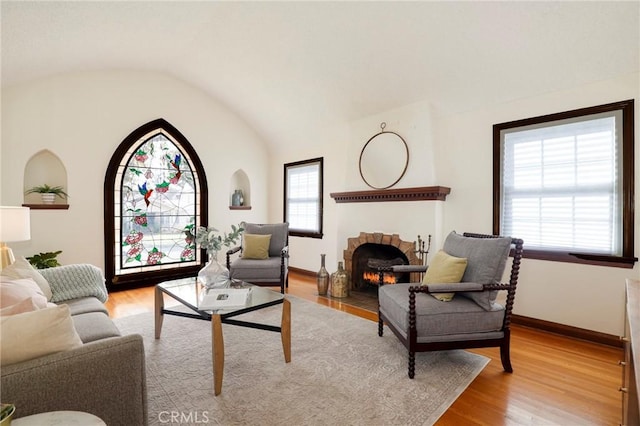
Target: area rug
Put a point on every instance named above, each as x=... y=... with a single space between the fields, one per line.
x=341 y=372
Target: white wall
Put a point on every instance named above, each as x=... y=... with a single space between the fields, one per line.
x=83 y=117
x=590 y=297
x=456 y=151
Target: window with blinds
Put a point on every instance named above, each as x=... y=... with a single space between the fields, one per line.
x=303 y=197
x=563 y=184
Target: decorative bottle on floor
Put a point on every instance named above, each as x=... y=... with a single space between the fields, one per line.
x=323 y=278
x=339 y=282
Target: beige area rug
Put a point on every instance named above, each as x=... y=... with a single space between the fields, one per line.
x=341 y=372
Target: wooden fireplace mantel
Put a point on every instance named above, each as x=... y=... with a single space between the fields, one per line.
x=422 y=193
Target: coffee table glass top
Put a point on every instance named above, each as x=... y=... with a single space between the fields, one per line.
x=190 y=292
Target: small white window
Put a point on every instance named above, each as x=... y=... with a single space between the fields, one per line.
x=303 y=197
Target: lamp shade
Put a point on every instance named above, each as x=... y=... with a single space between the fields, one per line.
x=15 y=224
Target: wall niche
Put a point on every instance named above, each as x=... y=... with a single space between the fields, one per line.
x=44 y=167
x=240 y=185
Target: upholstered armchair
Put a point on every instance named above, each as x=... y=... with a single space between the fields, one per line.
x=263 y=255
x=455 y=306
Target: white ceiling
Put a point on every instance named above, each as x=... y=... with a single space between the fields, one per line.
x=314 y=63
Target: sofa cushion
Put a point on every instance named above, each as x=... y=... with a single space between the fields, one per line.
x=486 y=260
x=93 y=326
x=436 y=321
x=21 y=268
x=34 y=334
x=85 y=305
x=13 y=291
x=256 y=246
x=444 y=269
x=251 y=269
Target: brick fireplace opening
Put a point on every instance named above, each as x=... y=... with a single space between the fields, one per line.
x=371 y=249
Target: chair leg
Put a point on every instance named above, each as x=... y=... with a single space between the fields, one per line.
x=380 y=325
x=412 y=364
x=505 y=356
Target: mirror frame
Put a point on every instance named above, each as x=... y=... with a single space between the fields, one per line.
x=406 y=163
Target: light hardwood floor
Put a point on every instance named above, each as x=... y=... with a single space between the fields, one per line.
x=556 y=380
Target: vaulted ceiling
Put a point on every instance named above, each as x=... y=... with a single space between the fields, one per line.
x=315 y=63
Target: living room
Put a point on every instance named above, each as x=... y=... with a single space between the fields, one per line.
x=254 y=86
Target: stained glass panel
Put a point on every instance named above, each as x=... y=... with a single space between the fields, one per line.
x=158 y=206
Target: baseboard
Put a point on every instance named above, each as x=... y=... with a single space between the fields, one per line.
x=302 y=271
x=568 y=331
x=548 y=326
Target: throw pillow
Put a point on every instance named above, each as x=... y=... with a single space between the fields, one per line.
x=27 y=305
x=21 y=268
x=279 y=234
x=487 y=260
x=256 y=246
x=14 y=291
x=34 y=334
x=444 y=269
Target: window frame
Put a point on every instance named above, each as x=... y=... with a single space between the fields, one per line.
x=628 y=258
x=301 y=233
x=148 y=277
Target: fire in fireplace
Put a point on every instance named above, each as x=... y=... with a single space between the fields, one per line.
x=368 y=251
x=371 y=274
x=369 y=257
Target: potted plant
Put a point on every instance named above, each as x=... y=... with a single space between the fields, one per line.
x=48 y=193
x=45 y=260
x=6 y=413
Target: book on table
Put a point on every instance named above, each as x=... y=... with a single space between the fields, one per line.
x=221 y=298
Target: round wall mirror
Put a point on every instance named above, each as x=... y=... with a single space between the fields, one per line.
x=384 y=159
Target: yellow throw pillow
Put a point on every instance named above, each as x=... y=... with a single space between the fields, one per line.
x=34 y=334
x=444 y=268
x=256 y=246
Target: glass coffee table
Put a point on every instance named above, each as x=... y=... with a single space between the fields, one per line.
x=189 y=293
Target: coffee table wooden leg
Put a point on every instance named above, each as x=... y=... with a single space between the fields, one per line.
x=286 y=330
x=218 y=353
x=159 y=306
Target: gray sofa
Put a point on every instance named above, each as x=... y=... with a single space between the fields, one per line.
x=105 y=376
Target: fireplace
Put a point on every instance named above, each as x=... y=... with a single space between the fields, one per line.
x=368 y=258
x=367 y=251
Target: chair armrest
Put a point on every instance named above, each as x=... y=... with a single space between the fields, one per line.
x=398 y=269
x=106 y=378
x=230 y=252
x=233 y=250
x=452 y=287
x=74 y=281
x=409 y=268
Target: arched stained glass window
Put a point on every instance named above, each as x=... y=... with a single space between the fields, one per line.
x=157 y=195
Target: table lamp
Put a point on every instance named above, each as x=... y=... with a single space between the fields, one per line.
x=15 y=225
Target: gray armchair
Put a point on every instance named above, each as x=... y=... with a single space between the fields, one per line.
x=473 y=318
x=270 y=267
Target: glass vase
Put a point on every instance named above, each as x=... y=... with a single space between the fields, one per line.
x=214 y=274
x=323 y=278
x=339 y=282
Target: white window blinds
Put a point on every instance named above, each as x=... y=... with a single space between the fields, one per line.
x=303 y=197
x=561 y=184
